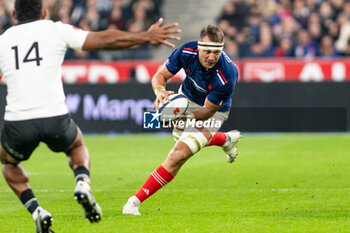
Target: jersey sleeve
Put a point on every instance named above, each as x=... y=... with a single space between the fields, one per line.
x=222 y=94
x=174 y=63
x=73 y=36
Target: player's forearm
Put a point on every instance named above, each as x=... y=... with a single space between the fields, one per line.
x=158 y=84
x=160 y=79
x=119 y=39
x=115 y=39
x=202 y=114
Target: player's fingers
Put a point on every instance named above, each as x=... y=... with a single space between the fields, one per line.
x=156 y=105
x=174 y=31
x=171 y=25
x=161 y=100
x=167 y=43
x=159 y=22
x=167 y=97
x=173 y=37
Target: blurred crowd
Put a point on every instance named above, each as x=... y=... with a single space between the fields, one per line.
x=286 y=28
x=253 y=28
x=94 y=15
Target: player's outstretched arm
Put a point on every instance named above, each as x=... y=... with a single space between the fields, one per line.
x=112 y=39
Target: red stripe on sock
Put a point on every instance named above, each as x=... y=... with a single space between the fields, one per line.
x=159 y=178
x=217 y=140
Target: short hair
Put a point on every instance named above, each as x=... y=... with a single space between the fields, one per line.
x=214 y=34
x=28 y=9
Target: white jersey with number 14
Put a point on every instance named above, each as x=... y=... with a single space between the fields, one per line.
x=31 y=55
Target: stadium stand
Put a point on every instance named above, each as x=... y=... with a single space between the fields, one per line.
x=130 y=15
x=253 y=28
x=286 y=28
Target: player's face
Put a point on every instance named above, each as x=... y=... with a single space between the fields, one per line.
x=207 y=57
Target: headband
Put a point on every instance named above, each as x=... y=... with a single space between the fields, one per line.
x=210 y=45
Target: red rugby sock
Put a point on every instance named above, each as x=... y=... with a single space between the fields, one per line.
x=217 y=140
x=159 y=178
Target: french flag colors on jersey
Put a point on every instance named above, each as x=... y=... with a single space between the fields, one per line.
x=216 y=84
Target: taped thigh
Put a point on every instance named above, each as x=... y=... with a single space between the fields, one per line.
x=177 y=133
x=194 y=140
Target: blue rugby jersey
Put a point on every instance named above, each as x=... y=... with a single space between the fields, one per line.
x=216 y=84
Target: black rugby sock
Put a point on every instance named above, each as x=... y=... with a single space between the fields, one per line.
x=29 y=200
x=82 y=173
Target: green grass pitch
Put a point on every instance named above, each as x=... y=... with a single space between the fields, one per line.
x=280 y=183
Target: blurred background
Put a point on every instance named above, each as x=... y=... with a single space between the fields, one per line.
x=292 y=57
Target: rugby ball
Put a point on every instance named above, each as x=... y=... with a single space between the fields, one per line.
x=174 y=108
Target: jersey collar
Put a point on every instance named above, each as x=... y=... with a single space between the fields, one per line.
x=26 y=21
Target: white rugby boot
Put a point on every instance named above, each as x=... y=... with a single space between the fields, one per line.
x=84 y=197
x=43 y=220
x=132 y=206
x=230 y=145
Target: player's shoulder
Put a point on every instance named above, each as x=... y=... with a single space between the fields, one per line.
x=55 y=25
x=191 y=45
x=227 y=65
x=188 y=50
x=227 y=72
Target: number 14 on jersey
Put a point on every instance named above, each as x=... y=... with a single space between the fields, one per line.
x=29 y=57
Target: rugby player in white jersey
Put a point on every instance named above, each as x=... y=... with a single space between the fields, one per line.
x=31 y=55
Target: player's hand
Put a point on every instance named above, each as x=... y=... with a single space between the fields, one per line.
x=162 y=97
x=160 y=34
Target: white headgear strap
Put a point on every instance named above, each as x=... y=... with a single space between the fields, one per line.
x=210 y=45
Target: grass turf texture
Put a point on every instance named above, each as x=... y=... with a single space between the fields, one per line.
x=280 y=183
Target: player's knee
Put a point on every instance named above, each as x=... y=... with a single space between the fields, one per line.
x=194 y=141
x=179 y=155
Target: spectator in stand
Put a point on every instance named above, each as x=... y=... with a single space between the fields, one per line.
x=5 y=22
x=231 y=49
x=312 y=5
x=266 y=39
x=344 y=33
x=305 y=47
x=337 y=6
x=116 y=19
x=267 y=8
x=327 y=49
x=231 y=15
x=301 y=13
x=346 y=51
x=240 y=20
x=285 y=48
x=333 y=30
x=243 y=43
x=326 y=13
x=346 y=10
x=287 y=18
x=315 y=32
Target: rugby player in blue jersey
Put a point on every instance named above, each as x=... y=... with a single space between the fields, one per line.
x=210 y=80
